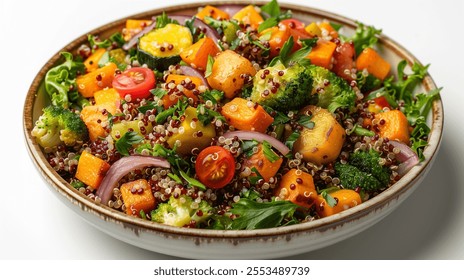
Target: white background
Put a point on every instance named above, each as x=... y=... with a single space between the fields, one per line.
x=34 y=224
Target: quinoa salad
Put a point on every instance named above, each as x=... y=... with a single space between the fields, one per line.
x=235 y=118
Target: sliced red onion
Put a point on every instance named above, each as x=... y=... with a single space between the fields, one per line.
x=121 y=168
x=231 y=9
x=406 y=156
x=209 y=31
x=260 y=137
x=190 y=71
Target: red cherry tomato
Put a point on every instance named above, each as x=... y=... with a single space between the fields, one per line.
x=297 y=31
x=382 y=102
x=136 y=81
x=215 y=167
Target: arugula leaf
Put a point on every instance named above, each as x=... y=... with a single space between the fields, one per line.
x=365 y=36
x=258 y=215
x=124 y=143
x=287 y=58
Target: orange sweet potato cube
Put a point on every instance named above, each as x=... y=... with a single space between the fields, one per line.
x=91 y=169
x=298 y=187
x=137 y=196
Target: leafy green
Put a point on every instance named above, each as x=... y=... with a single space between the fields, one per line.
x=272 y=10
x=124 y=143
x=191 y=181
x=213 y=95
x=268 y=23
x=287 y=58
x=61 y=78
x=209 y=115
x=209 y=66
x=291 y=139
x=258 y=215
x=365 y=36
x=306 y=121
x=95 y=42
x=328 y=198
x=269 y=153
x=163 y=20
x=360 y=131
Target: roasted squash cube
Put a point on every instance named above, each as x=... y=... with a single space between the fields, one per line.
x=137 y=196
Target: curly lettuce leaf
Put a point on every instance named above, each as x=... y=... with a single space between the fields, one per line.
x=61 y=78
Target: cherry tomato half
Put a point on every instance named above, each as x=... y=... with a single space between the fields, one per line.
x=215 y=167
x=136 y=81
x=297 y=31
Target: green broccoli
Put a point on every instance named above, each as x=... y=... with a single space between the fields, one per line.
x=368 y=161
x=58 y=125
x=179 y=212
x=352 y=177
x=363 y=170
x=333 y=92
x=281 y=88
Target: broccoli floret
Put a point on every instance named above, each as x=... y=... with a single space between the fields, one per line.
x=352 y=177
x=333 y=92
x=180 y=212
x=281 y=88
x=58 y=125
x=369 y=162
x=363 y=170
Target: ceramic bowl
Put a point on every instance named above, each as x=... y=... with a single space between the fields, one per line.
x=214 y=244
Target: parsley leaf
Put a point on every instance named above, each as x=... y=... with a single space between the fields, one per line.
x=256 y=215
x=328 y=198
x=206 y=116
x=291 y=139
x=306 y=121
x=126 y=141
x=268 y=23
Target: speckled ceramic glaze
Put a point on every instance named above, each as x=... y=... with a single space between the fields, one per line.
x=213 y=244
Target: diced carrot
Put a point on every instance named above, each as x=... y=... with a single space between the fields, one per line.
x=91 y=63
x=322 y=53
x=298 y=187
x=134 y=26
x=95 y=118
x=371 y=60
x=327 y=27
x=265 y=167
x=345 y=199
x=91 y=169
x=189 y=88
x=137 y=196
x=96 y=80
x=393 y=125
x=278 y=37
x=230 y=70
x=213 y=12
x=249 y=15
x=245 y=115
x=197 y=54
x=110 y=97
